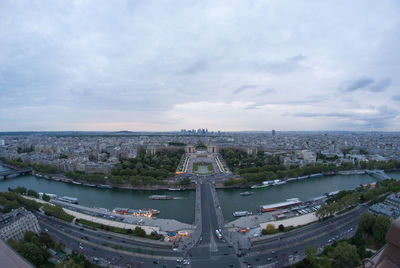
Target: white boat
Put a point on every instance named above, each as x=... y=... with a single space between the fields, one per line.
x=69 y=199
x=241 y=213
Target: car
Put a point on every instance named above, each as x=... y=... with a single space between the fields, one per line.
x=175 y=249
x=164 y=265
x=80 y=247
x=231 y=265
x=269 y=259
x=156 y=262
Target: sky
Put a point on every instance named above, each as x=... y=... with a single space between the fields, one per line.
x=222 y=65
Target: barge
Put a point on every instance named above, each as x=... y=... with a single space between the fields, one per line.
x=161 y=197
x=272 y=207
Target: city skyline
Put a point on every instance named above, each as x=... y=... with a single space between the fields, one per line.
x=229 y=66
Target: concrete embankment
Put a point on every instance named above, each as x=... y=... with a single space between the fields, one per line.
x=148 y=224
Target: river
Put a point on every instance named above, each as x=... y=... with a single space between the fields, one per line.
x=182 y=208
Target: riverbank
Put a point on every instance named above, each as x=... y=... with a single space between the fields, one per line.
x=148 y=224
x=60 y=177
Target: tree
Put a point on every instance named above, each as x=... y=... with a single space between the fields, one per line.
x=30 y=236
x=58 y=246
x=271 y=229
x=46 y=198
x=380 y=229
x=33 y=193
x=281 y=227
x=366 y=222
x=310 y=254
x=346 y=255
x=33 y=253
x=139 y=232
x=10 y=205
x=46 y=240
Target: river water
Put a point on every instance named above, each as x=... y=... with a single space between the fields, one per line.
x=182 y=208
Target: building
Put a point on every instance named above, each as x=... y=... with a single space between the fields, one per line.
x=390 y=207
x=13 y=225
x=2 y=143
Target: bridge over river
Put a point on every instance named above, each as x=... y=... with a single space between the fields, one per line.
x=23 y=171
x=379 y=174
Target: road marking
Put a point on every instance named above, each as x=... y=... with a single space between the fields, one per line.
x=111 y=249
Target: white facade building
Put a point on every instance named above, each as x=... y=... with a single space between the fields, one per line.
x=13 y=225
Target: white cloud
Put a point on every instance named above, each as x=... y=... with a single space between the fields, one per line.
x=140 y=64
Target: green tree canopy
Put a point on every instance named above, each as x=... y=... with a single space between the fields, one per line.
x=345 y=255
x=380 y=229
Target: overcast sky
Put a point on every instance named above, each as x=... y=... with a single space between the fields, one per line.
x=221 y=65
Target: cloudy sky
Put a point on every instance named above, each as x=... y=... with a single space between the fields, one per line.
x=221 y=65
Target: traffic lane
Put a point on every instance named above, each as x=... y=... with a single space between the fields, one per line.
x=302 y=238
x=282 y=256
x=106 y=236
x=282 y=253
x=317 y=225
x=318 y=228
x=110 y=243
x=94 y=244
x=114 y=256
x=224 y=261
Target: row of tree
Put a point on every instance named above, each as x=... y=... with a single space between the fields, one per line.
x=37 y=167
x=11 y=200
x=347 y=199
x=146 y=169
x=34 y=248
x=89 y=177
x=261 y=167
x=58 y=212
x=371 y=233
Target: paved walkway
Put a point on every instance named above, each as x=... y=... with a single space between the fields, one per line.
x=186 y=243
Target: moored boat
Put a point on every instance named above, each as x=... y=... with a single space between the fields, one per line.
x=104 y=186
x=241 y=213
x=69 y=199
x=288 y=203
x=259 y=186
x=246 y=193
x=161 y=197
